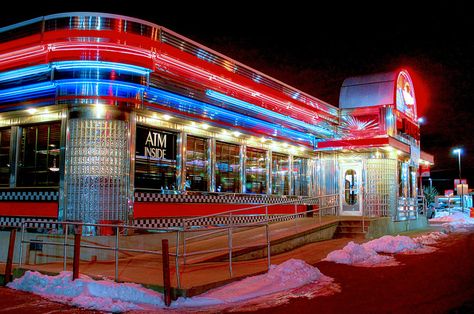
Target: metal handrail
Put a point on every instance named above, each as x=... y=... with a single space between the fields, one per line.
x=229 y=212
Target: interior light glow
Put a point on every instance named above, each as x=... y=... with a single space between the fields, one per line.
x=166 y=117
x=236 y=133
x=205 y=126
x=31 y=110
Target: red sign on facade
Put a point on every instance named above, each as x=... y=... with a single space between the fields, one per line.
x=425 y=171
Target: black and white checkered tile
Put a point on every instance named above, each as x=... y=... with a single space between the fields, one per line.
x=35 y=222
x=29 y=195
x=49 y=223
x=206 y=221
x=215 y=198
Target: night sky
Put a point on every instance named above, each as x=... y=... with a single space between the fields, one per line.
x=315 y=49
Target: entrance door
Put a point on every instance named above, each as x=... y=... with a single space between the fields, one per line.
x=351 y=194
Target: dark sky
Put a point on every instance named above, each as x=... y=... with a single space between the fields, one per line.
x=314 y=49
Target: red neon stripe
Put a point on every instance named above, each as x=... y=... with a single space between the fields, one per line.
x=29 y=209
x=156 y=210
x=365 y=142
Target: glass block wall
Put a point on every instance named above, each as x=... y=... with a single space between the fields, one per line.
x=97 y=170
x=381 y=187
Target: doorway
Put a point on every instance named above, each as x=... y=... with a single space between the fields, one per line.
x=351 y=192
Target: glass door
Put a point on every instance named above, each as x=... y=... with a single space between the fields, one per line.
x=350 y=189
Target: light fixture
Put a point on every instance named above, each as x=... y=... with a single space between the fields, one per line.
x=31 y=110
x=166 y=117
x=54 y=168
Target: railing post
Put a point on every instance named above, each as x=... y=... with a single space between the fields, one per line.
x=184 y=241
x=267 y=235
x=166 y=272
x=77 y=252
x=178 y=281
x=20 y=259
x=116 y=251
x=65 y=229
x=11 y=249
x=229 y=238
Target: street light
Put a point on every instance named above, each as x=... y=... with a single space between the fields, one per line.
x=459 y=151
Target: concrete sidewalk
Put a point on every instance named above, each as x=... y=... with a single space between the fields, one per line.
x=205 y=271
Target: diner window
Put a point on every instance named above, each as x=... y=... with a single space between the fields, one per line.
x=196 y=163
x=300 y=177
x=255 y=171
x=227 y=169
x=280 y=178
x=155 y=159
x=403 y=180
x=38 y=164
x=5 y=156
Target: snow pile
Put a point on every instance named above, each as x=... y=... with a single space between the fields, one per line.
x=367 y=254
x=456 y=222
x=391 y=244
x=359 y=255
x=87 y=293
x=109 y=296
x=288 y=275
x=430 y=238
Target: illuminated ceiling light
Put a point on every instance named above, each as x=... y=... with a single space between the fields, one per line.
x=193 y=124
x=301 y=148
x=285 y=145
x=166 y=117
x=31 y=110
x=263 y=139
x=236 y=133
x=292 y=150
x=54 y=168
x=205 y=126
x=154 y=116
x=99 y=110
x=224 y=133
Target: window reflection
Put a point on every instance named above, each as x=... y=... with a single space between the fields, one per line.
x=280 y=177
x=196 y=164
x=255 y=171
x=39 y=153
x=227 y=167
x=300 y=176
x=5 y=156
x=155 y=162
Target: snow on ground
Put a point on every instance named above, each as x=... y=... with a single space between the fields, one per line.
x=455 y=221
x=367 y=254
x=293 y=278
x=289 y=278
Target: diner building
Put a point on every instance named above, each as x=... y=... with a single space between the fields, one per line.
x=107 y=118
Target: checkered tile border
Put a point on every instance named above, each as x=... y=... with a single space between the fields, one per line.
x=38 y=222
x=29 y=195
x=207 y=221
x=214 y=198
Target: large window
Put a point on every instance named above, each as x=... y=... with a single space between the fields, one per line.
x=39 y=155
x=255 y=171
x=5 y=156
x=155 y=162
x=227 y=168
x=196 y=164
x=280 y=180
x=300 y=176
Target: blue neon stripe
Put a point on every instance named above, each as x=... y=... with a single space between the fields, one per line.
x=248 y=106
x=220 y=114
x=78 y=87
